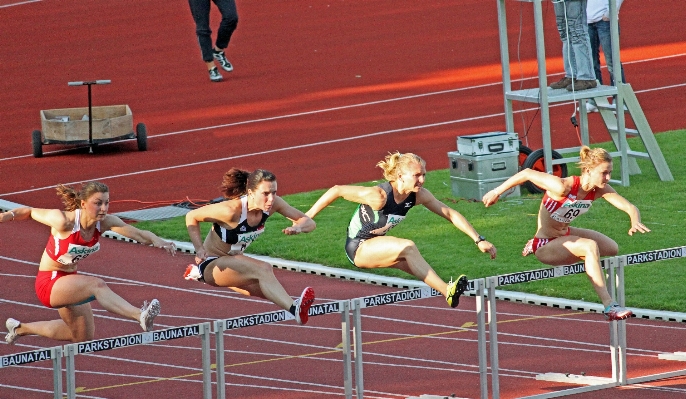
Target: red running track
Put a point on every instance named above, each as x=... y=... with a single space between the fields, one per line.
x=319 y=89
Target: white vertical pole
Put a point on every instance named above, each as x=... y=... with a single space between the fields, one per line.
x=481 y=327
x=491 y=284
x=357 y=334
x=219 y=327
x=345 y=342
x=206 y=368
x=71 y=371
x=57 y=372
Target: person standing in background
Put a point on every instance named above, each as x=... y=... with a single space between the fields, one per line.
x=576 y=47
x=598 y=14
x=200 y=9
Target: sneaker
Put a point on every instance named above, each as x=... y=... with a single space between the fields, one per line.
x=12 y=326
x=579 y=85
x=528 y=248
x=616 y=312
x=302 y=305
x=215 y=76
x=192 y=273
x=590 y=107
x=148 y=314
x=225 y=64
x=455 y=289
x=562 y=83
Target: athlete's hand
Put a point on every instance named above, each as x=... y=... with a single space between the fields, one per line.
x=490 y=198
x=638 y=226
x=485 y=246
x=168 y=246
x=292 y=230
x=200 y=255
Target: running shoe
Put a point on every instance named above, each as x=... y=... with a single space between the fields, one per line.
x=616 y=312
x=302 y=305
x=215 y=76
x=148 y=314
x=12 y=326
x=455 y=289
x=221 y=58
x=192 y=273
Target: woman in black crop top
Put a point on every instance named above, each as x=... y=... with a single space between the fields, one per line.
x=237 y=222
x=384 y=206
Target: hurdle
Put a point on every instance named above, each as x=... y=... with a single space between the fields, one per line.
x=358 y=304
x=202 y=330
x=220 y=326
x=54 y=354
x=615 y=283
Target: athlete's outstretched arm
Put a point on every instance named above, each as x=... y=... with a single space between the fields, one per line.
x=621 y=203
x=54 y=218
x=372 y=196
x=547 y=182
x=301 y=222
x=426 y=198
x=117 y=225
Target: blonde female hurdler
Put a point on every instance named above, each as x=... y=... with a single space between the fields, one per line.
x=556 y=243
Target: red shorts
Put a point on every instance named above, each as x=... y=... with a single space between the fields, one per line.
x=44 y=282
x=535 y=243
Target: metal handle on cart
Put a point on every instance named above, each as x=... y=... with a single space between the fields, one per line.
x=90 y=82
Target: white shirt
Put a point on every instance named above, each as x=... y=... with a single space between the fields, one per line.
x=597 y=9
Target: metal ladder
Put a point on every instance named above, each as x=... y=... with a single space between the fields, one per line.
x=643 y=131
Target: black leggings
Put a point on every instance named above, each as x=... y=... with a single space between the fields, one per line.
x=200 y=9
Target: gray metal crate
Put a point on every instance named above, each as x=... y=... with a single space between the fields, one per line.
x=483 y=167
x=476 y=189
x=488 y=143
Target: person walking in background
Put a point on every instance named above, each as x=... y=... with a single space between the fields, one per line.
x=572 y=26
x=236 y=223
x=382 y=207
x=200 y=9
x=75 y=235
x=555 y=242
x=598 y=14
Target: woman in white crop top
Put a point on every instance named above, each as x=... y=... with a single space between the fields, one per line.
x=556 y=243
x=237 y=222
x=74 y=235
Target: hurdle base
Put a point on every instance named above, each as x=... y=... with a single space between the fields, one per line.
x=678 y=356
x=574 y=379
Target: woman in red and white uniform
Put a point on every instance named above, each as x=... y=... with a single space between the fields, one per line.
x=74 y=235
x=236 y=223
x=555 y=242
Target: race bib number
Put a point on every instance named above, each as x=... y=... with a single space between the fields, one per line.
x=76 y=253
x=570 y=211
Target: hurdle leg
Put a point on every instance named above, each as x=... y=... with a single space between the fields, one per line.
x=357 y=336
x=481 y=328
x=57 y=372
x=491 y=284
x=71 y=371
x=621 y=328
x=206 y=367
x=219 y=327
x=345 y=342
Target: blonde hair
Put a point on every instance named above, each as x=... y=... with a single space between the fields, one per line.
x=71 y=198
x=590 y=158
x=397 y=162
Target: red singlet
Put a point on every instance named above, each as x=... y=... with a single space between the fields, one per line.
x=72 y=249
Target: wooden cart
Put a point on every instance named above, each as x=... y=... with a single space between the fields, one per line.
x=87 y=126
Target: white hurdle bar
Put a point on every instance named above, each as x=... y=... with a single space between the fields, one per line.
x=220 y=326
x=358 y=304
x=615 y=271
x=202 y=330
x=54 y=354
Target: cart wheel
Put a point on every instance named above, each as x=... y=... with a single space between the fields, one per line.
x=37 y=142
x=142 y=136
x=535 y=161
x=524 y=152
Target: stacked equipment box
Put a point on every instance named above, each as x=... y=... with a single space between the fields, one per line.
x=482 y=163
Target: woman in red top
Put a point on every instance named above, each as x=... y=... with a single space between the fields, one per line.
x=74 y=235
x=555 y=242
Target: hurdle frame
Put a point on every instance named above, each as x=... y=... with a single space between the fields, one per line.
x=618 y=342
x=54 y=354
x=71 y=350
